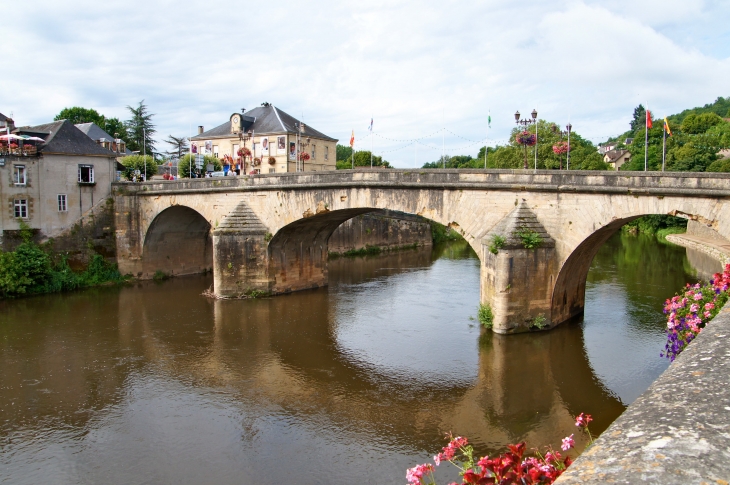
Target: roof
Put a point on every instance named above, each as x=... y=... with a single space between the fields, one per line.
x=265 y=120
x=93 y=131
x=64 y=138
x=3 y=117
x=614 y=155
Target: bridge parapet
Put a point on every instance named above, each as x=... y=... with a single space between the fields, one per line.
x=649 y=183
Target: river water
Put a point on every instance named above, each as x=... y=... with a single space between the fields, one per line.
x=154 y=383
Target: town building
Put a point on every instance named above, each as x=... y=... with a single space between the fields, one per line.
x=51 y=175
x=104 y=139
x=275 y=140
x=616 y=158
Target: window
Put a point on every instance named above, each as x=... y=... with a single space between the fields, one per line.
x=21 y=208
x=19 y=174
x=326 y=153
x=314 y=152
x=62 y=203
x=272 y=170
x=86 y=174
x=215 y=150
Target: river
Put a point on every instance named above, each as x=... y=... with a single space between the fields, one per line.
x=154 y=383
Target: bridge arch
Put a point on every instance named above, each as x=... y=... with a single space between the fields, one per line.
x=178 y=241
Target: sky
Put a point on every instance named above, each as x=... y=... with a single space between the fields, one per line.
x=424 y=70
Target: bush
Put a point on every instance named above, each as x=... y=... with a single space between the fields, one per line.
x=485 y=316
x=441 y=233
x=722 y=165
x=654 y=223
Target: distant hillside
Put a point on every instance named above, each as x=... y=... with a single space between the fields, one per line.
x=720 y=107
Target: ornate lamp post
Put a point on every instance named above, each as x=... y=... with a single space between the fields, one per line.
x=561 y=147
x=301 y=154
x=526 y=139
x=569 y=127
x=244 y=137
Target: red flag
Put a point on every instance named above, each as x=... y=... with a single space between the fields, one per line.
x=648 y=119
x=352 y=139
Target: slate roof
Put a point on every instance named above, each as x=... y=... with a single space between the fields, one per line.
x=265 y=120
x=614 y=155
x=94 y=131
x=64 y=138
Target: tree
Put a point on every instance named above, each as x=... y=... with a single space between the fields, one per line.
x=639 y=119
x=138 y=162
x=343 y=153
x=362 y=159
x=183 y=166
x=179 y=146
x=722 y=165
x=78 y=115
x=695 y=124
x=140 y=128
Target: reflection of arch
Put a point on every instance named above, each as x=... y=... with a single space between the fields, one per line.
x=570 y=287
x=178 y=241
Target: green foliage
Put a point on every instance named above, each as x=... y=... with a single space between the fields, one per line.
x=362 y=159
x=720 y=107
x=441 y=233
x=530 y=239
x=160 y=276
x=695 y=124
x=539 y=322
x=485 y=315
x=179 y=146
x=140 y=128
x=183 y=168
x=496 y=243
x=654 y=223
x=137 y=162
x=722 y=165
x=639 y=119
x=344 y=153
x=366 y=251
x=29 y=270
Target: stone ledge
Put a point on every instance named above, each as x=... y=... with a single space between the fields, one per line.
x=678 y=431
x=714 y=247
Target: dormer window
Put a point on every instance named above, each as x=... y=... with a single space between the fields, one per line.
x=86 y=174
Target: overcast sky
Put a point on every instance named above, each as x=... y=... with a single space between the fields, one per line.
x=414 y=66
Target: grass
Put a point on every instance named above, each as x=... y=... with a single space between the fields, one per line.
x=496 y=243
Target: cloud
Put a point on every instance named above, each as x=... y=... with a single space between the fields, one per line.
x=414 y=66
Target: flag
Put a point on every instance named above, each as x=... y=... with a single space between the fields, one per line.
x=648 y=119
x=666 y=127
x=352 y=139
x=371 y=125
x=489 y=120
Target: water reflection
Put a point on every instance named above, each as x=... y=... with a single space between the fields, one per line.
x=154 y=383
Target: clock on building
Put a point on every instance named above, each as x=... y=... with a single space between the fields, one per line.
x=235 y=123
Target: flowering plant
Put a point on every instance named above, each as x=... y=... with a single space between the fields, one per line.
x=506 y=469
x=303 y=156
x=272 y=161
x=688 y=313
x=560 y=148
x=526 y=138
x=256 y=161
x=13 y=146
x=244 y=152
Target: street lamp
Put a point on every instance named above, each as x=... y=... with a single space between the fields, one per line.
x=569 y=127
x=526 y=122
x=300 y=144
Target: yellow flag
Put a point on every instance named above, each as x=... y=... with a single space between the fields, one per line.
x=666 y=127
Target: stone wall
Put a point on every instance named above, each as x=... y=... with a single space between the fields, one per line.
x=384 y=229
x=678 y=430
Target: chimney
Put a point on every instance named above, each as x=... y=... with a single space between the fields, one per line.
x=200 y=130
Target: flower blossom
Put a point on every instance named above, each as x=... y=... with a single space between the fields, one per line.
x=450 y=450
x=415 y=474
x=583 y=419
x=568 y=443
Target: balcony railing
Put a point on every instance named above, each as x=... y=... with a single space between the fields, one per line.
x=24 y=151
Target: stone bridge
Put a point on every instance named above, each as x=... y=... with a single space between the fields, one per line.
x=269 y=233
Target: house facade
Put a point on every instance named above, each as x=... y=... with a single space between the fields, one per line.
x=272 y=136
x=616 y=158
x=53 y=185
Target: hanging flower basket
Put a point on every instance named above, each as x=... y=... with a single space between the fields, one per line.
x=244 y=152
x=272 y=161
x=560 y=148
x=256 y=162
x=304 y=156
x=526 y=138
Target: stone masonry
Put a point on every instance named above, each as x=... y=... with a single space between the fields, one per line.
x=575 y=212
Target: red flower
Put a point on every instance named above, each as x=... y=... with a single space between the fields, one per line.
x=582 y=420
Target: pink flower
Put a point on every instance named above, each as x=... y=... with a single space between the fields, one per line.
x=568 y=443
x=414 y=475
x=698 y=296
x=707 y=314
x=709 y=306
x=694 y=308
x=583 y=420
